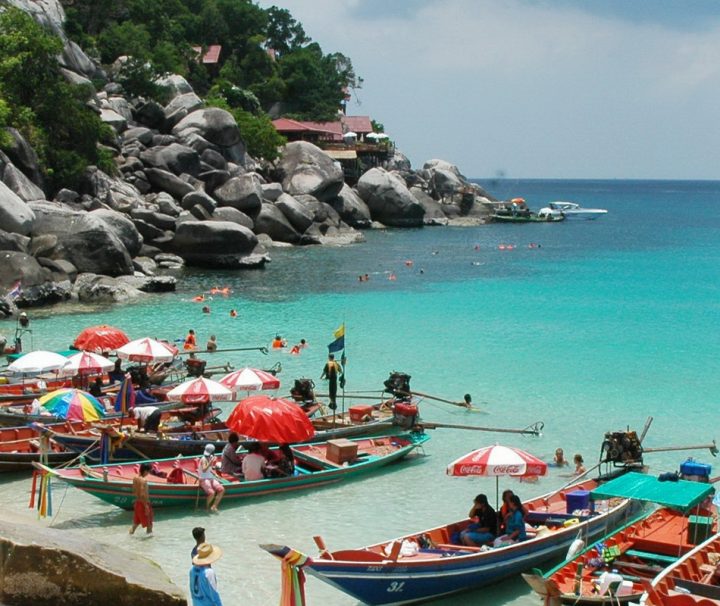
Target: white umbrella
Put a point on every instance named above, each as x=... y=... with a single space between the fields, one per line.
x=350 y=135
x=372 y=136
x=382 y=136
x=147 y=350
x=87 y=362
x=198 y=391
x=250 y=379
x=37 y=362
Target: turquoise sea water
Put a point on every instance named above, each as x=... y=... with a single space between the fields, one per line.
x=606 y=323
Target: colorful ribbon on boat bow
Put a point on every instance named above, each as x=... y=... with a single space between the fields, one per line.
x=293 y=579
x=44 y=492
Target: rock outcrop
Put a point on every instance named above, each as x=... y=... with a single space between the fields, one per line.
x=47 y=567
x=389 y=200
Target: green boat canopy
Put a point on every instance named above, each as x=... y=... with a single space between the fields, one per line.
x=681 y=495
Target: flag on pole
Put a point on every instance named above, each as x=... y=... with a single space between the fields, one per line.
x=15 y=291
x=339 y=343
x=125 y=399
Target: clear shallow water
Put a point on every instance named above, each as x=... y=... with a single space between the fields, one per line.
x=605 y=324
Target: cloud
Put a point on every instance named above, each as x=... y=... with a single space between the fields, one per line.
x=543 y=89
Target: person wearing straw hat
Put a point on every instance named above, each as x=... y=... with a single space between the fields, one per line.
x=203 y=582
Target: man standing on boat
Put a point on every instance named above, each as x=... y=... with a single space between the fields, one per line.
x=331 y=372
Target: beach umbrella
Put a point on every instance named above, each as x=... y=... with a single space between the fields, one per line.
x=250 y=379
x=350 y=135
x=72 y=404
x=372 y=136
x=100 y=339
x=498 y=461
x=37 y=362
x=382 y=136
x=87 y=362
x=199 y=391
x=147 y=350
x=270 y=420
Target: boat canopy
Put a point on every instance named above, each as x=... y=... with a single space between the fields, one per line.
x=681 y=495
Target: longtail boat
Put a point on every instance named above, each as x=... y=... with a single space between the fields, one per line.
x=425 y=565
x=313 y=468
x=21 y=446
x=616 y=569
x=690 y=581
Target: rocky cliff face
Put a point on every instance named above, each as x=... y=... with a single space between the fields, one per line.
x=186 y=186
x=46 y=567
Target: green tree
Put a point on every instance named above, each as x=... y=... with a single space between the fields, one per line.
x=283 y=32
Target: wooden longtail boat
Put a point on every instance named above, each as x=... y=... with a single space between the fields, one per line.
x=113 y=483
x=433 y=567
x=616 y=570
x=690 y=581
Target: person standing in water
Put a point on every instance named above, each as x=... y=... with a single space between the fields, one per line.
x=143 y=513
x=203 y=582
x=331 y=372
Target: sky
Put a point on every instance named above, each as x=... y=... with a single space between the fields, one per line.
x=535 y=88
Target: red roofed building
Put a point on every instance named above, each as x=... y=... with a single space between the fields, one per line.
x=360 y=125
x=296 y=130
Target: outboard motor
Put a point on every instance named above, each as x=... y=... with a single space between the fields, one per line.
x=398 y=384
x=195 y=367
x=621 y=448
x=303 y=391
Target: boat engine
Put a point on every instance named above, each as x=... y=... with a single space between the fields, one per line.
x=621 y=448
x=303 y=391
x=398 y=384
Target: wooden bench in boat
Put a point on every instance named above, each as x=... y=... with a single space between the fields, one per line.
x=700 y=589
x=647 y=555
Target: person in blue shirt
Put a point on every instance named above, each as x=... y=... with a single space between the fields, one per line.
x=514 y=525
x=203 y=583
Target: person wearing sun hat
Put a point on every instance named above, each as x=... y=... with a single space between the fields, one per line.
x=203 y=583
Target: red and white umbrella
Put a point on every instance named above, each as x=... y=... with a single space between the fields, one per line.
x=250 y=379
x=86 y=362
x=147 y=350
x=498 y=461
x=199 y=391
x=270 y=420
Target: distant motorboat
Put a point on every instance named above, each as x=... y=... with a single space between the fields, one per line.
x=572 y=210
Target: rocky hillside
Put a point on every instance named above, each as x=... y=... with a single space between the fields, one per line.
x=186 y=192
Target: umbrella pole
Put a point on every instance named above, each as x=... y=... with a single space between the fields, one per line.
x=497 y=491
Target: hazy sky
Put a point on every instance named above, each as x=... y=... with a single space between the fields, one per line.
x=536 y=88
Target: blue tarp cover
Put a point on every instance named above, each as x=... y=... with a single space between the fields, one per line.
x=682 y=495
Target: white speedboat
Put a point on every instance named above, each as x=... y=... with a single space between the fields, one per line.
x=571 y=210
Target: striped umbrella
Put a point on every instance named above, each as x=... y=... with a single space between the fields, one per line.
x=86 y=362
x=73 y=404
x=147 y=350
x=250 y=379
x=498 y=461
x=199 y=391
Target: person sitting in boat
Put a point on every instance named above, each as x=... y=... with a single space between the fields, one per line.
x=231 y=461
x=559 y=459
x=117 y=374
x=514 y=524
x=484 y=530
x=208 y=480
x=282 y=463
x=148 y=417
x=96 y=388
x=253 y=462
x=504 y=510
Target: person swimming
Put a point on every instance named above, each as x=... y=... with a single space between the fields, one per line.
x=278 y=342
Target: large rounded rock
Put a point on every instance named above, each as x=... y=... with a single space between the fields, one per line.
x=122 y=227
x=15 y=215
x=14 y=242
x=214 y=244
x=434 y=214
x=272 y=222
x=389 y=200
x=164 y=180
x=83 y=239
x=116 y=193
x=91 y=288
x=444 y=178
x=175 y=158
x=198 y=197
x=228 y=213
x=399 y=161
x=18 y=182
x=174 y=85
x=306 y=169
x=243 y=192
x=181 y=106
x=215 y=126
x=18 y=266
x=22 y=155
x=351 y=208
x=296 y=213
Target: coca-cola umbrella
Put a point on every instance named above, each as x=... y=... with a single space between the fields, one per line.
x=147 y=350
x=88 y=363
x=199 y=391
x=270 y=419
x=498 y=461
x=250 y=379
x=100 y=339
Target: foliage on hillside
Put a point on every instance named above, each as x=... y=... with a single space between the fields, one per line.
x=37 y=100
x=266 y=52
